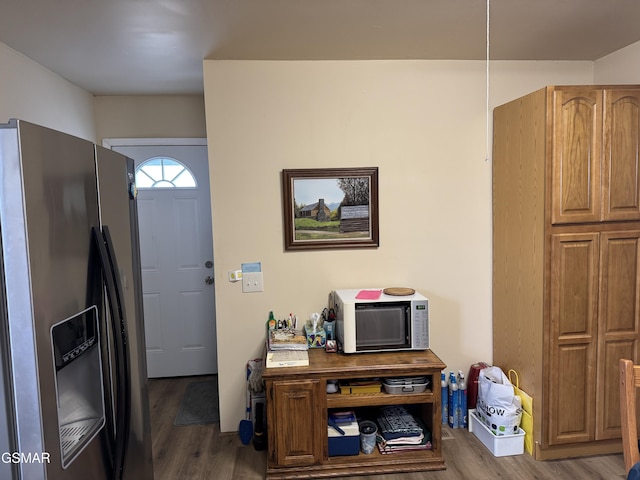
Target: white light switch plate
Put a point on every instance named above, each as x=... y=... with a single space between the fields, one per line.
x=252 y=282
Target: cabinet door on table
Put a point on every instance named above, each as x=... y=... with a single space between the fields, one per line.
x=618 y=323
x=621 y=160
x=573 y=338
x=300 y=422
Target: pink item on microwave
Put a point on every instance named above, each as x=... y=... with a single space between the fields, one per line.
x=369 y=294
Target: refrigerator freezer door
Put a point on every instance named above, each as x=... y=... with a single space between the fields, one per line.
x=48 y=204
x=7 y=436
x=23 y=403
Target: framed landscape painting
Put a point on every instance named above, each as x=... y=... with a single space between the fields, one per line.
x=330 y=208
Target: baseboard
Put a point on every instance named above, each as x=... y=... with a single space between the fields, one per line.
x=577 y=449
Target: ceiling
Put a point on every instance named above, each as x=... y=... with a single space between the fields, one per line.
x=116 y=47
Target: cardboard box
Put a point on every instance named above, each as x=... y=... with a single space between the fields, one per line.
x=347 y=444
x=500 y=446
x=354 y=387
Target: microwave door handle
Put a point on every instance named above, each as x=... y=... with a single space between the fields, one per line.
x=118 y=326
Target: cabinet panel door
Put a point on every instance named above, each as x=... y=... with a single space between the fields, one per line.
x=301 y=422
x=576 y=157
x=621 y=167
x=572 y=353
x=618 y=322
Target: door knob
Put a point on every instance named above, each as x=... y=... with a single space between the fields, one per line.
x=208 y=280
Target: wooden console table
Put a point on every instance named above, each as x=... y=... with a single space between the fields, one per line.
x=297 y=405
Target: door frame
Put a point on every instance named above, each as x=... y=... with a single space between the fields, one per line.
x=135 y=142
x=112 y=143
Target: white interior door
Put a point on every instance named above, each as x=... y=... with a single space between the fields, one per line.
x=176 y=249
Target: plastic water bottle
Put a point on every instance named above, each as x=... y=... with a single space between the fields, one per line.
x=444 y=398
x=453 y=401
x=462 y=394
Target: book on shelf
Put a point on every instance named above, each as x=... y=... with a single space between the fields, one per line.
x=400 y=431
x=388 y=449
x=395 y=421
x=287 y=358
x=406 y=444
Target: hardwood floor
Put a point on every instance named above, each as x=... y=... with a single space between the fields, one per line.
x=198 y=451
x=202 y=452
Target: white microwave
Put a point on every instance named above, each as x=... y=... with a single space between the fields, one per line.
x=380 y=323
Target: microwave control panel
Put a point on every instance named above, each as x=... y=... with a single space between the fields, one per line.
x=420 y=324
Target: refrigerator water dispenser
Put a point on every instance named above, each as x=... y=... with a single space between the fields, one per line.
x=79 y=386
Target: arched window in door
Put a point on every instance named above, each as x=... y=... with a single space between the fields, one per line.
x=164 y=172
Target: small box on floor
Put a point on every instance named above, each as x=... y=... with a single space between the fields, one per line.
x=347 y=444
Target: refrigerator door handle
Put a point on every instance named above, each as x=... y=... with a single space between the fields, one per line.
x=118 y=325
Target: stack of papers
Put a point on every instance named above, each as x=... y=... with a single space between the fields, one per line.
x=288 y=358
x=286 y=348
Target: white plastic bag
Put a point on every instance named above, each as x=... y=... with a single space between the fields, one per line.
x=498 y=406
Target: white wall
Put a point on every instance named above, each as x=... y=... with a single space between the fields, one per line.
x=30 y=92
x=423 y=123
x=621 y=67
x=150 y=116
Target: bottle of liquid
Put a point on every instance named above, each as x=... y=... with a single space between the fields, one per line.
x=271 y=323
x=472 y=383
x=462 y=396
x=453 y=401
x=444 y=398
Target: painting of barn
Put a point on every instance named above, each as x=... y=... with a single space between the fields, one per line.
x=354 y=219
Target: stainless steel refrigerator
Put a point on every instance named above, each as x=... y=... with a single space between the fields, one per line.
x=73 y=382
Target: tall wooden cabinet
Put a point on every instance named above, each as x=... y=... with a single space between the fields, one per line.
x=566 y=257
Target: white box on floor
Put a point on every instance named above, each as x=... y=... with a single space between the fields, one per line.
x=500 y=446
